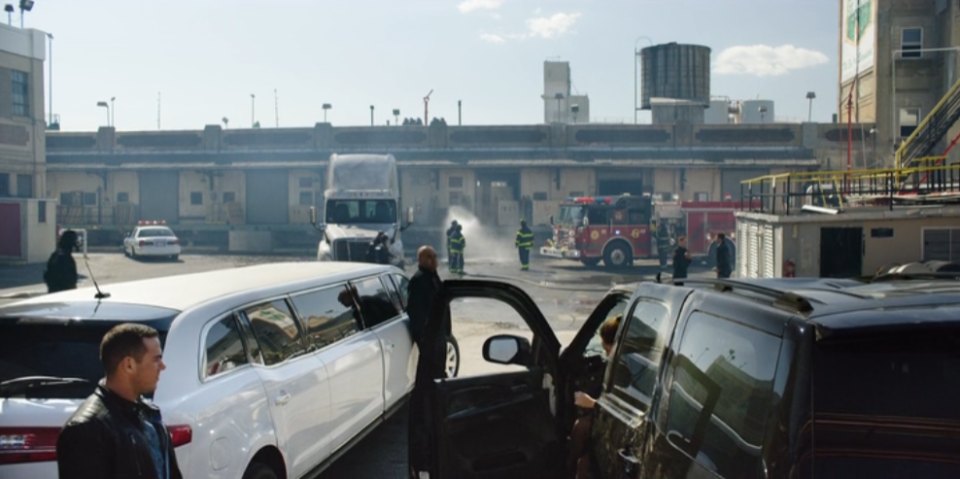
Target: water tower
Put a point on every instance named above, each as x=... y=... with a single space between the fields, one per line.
x=675 y=82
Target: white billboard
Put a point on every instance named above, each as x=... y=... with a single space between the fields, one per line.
x=858 y=38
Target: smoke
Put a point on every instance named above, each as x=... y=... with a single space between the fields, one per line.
x=483 y=244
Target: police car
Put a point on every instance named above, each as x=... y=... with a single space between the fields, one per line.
x=152 y=238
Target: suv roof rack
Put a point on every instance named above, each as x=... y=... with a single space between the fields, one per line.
x=780 y=298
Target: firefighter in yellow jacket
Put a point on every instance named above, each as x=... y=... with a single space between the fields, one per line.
x=523 y=243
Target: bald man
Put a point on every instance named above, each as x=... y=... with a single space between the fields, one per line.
x=431 y=339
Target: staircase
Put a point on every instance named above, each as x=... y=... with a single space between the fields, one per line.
x=932 y=129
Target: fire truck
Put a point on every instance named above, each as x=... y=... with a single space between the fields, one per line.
x=619 y=229
x=615 y=229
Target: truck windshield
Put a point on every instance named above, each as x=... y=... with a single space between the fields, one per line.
x=361 y=211
x=570 y=215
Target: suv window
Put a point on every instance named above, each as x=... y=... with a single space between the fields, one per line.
x=721 y=393
x=641 y=350
x=324 y=315
x=276 y=331
x=51 y=348
x=871 y=392
x=223 y=347
x=375 y=304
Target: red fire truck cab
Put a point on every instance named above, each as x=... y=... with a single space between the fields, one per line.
x=615 y=229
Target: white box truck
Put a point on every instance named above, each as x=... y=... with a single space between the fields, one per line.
x=361 y=200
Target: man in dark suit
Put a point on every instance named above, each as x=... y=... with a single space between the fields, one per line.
x=431 y=337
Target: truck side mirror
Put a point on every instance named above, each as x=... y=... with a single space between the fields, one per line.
x=551 y=220
x=313 y=215
x=410 y=216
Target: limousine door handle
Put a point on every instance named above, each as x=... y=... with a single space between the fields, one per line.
x=283 y=398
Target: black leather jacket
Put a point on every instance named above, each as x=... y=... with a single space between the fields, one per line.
x=105 y=439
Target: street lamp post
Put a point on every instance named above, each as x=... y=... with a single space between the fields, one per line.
x=113 y=112
x=575 y=108
x=396 y=116
x=50 y=81
x=371 y=115
x=9 y=9
x=253 y=111
x=103 y=104
x=810 y=96
x=763 y=113
x=326 y=106
x=25 y=6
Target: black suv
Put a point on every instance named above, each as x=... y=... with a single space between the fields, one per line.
x=726 y=378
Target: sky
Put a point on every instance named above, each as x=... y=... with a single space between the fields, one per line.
x=206 y=57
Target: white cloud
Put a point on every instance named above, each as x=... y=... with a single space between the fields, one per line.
x=467 y=6
x=492 y=38
x=766 y=60
x=552 y=26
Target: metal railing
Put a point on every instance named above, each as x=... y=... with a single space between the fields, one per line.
x=931 y=130
x=788 y=193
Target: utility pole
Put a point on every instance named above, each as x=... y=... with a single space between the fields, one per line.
x=253 y=99
x=276 y=108
x=459 y=112
x=50 y=73
x=426 y=108
x=158 y=110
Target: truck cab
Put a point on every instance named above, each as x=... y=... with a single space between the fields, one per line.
x=361 y=200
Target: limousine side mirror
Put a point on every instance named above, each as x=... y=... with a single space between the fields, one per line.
x=506 y=349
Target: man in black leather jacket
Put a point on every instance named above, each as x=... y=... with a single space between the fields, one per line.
x=114 y=433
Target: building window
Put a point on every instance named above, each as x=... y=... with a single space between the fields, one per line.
x=123 y=197
x=941 y=244
x=909 y=119
x=539 y=196
x=306 y=198
x=196 y=198
x=25 y=186
x=306 y=182
x=455 y=182
x=89 y=199
x=21 y=93
x=456 y=198
x=41 y=211
x=4 y=184
x=911 y=42
x=229 y=197
x=701 y=196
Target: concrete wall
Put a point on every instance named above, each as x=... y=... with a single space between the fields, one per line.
x=464 y=195
x=22 y=145
x=306 y=190
x=418 y=189
x=192 y=182
x=37 y=238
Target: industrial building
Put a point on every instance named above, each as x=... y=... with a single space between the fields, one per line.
x=560 y=104
x=27 y=222
x=898 y=58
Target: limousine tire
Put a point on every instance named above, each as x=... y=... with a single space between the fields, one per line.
x=259 y=470
x=452 y=360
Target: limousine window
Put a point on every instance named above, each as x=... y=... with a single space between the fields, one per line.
x=638 y=360
x=721 y=394
x=224 y=347
x=325 y=317
x=375 y=304
x=403 y=289
x=276 y=331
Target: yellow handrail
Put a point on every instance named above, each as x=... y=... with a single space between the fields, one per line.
x=953 y=92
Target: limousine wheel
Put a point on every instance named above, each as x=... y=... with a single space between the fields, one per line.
x=453 y=357
x=259 y=470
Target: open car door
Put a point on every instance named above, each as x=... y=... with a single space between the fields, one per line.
x=500 y=425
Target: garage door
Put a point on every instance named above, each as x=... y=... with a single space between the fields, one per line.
x=159 y=192
x=10 y=233
x=268 y=201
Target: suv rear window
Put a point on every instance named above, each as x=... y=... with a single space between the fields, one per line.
x=888 y=404
x=56 y=349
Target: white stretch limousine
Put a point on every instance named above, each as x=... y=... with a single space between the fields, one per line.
x=272 y=370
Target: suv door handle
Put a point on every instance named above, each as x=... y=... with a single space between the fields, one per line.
x=283 y=398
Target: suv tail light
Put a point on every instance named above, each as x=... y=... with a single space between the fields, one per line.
x=142 y=243
x=173 y=241
x=28 y=444
x=180 y=435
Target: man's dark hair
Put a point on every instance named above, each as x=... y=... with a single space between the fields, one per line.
x=608 y=330
x=721 y=235
x=124 y=340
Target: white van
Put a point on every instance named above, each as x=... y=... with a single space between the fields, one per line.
x=272 y=370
